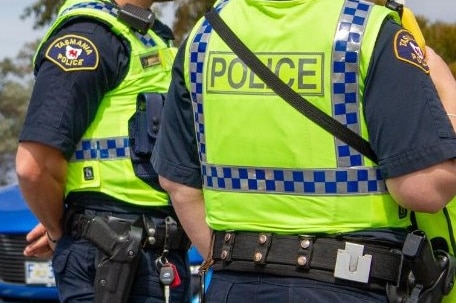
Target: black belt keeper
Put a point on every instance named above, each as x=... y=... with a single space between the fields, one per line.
x=262 y=248
x=300 y=256
x=305 y=250
x=228 y=241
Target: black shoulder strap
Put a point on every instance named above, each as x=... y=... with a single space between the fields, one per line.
x=280 y=88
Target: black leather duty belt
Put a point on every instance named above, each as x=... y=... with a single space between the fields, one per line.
x=155 y=235
x=318 y=258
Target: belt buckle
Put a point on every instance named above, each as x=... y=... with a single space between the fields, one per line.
x=351 y=264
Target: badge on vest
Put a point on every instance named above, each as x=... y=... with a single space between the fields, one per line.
x=88 y=173
x=73 y=53
x=150 y=60
x=407 y=50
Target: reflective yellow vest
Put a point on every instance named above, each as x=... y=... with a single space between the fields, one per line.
x=102 y=161
x=265 y=166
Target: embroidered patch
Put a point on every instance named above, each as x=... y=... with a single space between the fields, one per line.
x=72 y=52
x=407 y=50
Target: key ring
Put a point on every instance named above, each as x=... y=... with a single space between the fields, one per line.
x=160 y=261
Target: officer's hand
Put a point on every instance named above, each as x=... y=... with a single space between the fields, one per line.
x=39 y=244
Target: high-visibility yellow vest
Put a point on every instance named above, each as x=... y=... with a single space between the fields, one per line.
x=102 y=161
x=265 y=166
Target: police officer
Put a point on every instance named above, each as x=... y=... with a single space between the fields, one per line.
x=291 y=213
x=440 y=227
x=75 y=156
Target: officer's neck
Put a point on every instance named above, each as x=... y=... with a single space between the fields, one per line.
x=140 y=3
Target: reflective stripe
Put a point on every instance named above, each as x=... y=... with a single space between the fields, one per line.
x=108 y=8
x=350 y=178
x=101 y=6
x=351 y=181
x=197 y=55
x=345 y=71
x=102 y=149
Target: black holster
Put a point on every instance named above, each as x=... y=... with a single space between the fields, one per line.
x=427 y=275
x=120 y=242
x=143 y=128
x=120 y=248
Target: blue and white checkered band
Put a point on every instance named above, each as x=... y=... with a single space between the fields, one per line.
x=146 y=39
x=340 y=181
x=102 y=149
x=197 y=56
x=345 y=97
x=352 y=181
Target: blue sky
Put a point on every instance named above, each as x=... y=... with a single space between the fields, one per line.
x=15 y=32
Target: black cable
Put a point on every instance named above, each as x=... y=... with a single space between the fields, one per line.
x=450 y=229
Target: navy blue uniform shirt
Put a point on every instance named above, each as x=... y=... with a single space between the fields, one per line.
x=405 y=137
x=64 y=103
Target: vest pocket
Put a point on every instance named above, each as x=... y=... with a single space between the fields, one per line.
x=142 y=131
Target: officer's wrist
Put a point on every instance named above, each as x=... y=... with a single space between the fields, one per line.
x=50 y=239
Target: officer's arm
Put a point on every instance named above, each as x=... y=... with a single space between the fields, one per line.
x=41 y=172
x=431 y=189
x=59 y=113
x=426 y=190
x=188 y=203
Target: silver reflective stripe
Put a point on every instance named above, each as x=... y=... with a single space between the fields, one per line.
x=198 y=54
x=146 y=39
x=101 y=6
x=345 y=71
x=353 y=180
x=102 y=149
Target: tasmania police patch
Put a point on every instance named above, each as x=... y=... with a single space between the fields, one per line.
x=407 y=50
x=72 y=52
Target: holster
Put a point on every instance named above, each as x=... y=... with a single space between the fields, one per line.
x=119 y=257
x=120 y=242
x=143 y=128
x=427 y=275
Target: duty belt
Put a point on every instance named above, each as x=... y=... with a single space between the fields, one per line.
x=155 y=236
x=319 y=258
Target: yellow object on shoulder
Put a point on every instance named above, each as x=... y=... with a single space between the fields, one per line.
x=409 y=23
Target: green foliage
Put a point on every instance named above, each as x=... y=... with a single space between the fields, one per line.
x=442 y=38
x=187 y=13
x=43 y=12
x=15 y=90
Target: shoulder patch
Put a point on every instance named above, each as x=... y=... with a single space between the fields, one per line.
x=72 y=53
x=407 y=50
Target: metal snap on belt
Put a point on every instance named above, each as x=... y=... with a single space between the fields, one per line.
x=302 y=260
x=262 y=238
x=305 y=243
x=227 y=237
x=258 y=256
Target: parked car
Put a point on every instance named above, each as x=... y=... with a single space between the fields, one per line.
x=21 y=279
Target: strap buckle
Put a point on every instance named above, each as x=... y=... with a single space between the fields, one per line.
x=351 y=264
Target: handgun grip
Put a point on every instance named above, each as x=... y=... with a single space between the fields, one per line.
x=409 y=23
